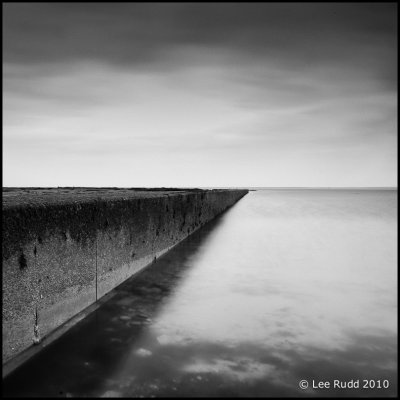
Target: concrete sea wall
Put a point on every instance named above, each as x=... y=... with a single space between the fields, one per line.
x=65 y=249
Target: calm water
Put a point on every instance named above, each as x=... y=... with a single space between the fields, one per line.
x=287 y=285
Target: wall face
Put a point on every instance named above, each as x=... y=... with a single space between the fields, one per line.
x=59 y=257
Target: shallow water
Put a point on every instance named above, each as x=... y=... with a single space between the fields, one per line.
x=287 y=285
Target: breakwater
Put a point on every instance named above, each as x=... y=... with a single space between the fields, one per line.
x=64 y=249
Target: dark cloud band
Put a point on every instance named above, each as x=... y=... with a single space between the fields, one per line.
x=146 y=33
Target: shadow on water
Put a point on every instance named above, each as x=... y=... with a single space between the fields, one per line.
x=81 y=360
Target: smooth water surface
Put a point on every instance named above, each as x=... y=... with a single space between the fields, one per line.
x=287 y=285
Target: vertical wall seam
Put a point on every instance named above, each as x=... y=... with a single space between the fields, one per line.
x=36 y=334
x=96 y=266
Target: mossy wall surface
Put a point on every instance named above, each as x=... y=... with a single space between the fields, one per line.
x=64 y=249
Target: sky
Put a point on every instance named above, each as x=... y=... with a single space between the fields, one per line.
x=200 y=95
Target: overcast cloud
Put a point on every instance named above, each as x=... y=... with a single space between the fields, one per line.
x=103 y=94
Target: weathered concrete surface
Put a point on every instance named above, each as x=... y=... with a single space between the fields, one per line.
x=65 y=248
